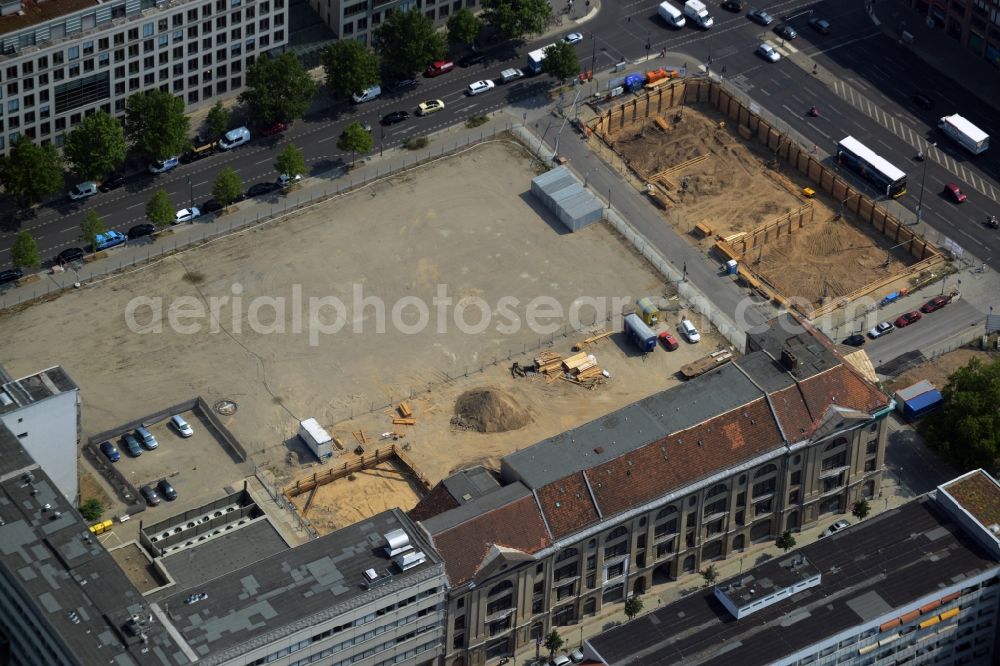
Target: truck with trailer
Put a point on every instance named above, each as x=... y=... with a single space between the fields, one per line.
x=697 y=12
x=316 y=438
x=670 y=15
x=964 y=133
x=639 y=334
x=535 y=59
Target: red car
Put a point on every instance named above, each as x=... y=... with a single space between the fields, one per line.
x=669 y=341
x=276 y=128
x=935 y=303
x=953 y=192
x=439 y=67
x=907 y=319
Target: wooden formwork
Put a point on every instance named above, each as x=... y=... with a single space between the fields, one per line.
x=360 y=463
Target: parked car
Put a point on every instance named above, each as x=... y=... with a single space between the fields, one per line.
x=822 y=26
x=576 y=656
x=883 y=328
x=404 y=84
x=11 y=275
x=836 y=527
x=479 y=87
x=112 y=182
x=182 y=427
x=733 y=5
x=767 y=51
x=439 y=67
x=164 y=166
x=166 y=490
x=150 y=495
x=260 y=189
x=560 y=660
x=131 y=445
x=234 y=138
x=908 y=318
x=760 y=17
x=855 y=340
x=202 y=148
x=573 y=37
x=669 y=342
x=140 y=230
x=285 y=180
x=146 y=438
x=512 y=74
x=276 y=128
x=110 y=451
x=108 y=240
x=954 y=192
x=83 y=190
x=470 y=59
x=785 y=31
x=70 y=254
x=394 y=117
x=210 y=206
x=187 y=215
x=922 y=100
x=935 y=303
x=688 y=330
x=429 y=107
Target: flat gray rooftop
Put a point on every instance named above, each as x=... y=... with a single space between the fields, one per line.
x=57 y=565
x=641 y=423
x=227 y=552
x=467 y=484
x=41 y=385
x=13 y=457
x=275 y=596
x=870 y=570
x=501 y=496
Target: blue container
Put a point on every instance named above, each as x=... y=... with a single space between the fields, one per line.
x=732 y=267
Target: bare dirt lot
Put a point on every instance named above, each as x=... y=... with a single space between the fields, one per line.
x=939 y=369
x=235 y=333
x=729 y=184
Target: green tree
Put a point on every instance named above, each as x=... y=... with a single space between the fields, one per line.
x=560 y=61
x=290 y=161
x=350 y=67
x=279 y=89
x=517 y=18
x=633 y=606
x=356 y=139
x=155 y=124
x=96 y=146
x=90 y=227
x=159 y=210
x=710 y=574
x=228 y=187
x=785 y=541
x=24 y=252
x=218 y=120
x=31 y=172
x=408 y=41
x=861 y=509
x=463 y=27
x=965 y=431
x=91 y=509
x=553 y=643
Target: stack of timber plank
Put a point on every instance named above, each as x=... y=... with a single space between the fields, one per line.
x=548 y=362
x=582 y=368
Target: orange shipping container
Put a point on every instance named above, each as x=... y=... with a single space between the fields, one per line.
x=656 y=75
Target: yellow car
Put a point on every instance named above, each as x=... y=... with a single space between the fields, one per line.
x=429 y=107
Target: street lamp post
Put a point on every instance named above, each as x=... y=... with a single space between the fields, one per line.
x=923 y=177
x=381 y=140
x=648 y=45
x=190 y=195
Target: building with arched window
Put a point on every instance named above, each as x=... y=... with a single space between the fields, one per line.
x=662 y=487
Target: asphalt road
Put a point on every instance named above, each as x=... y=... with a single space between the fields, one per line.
x=933 y=327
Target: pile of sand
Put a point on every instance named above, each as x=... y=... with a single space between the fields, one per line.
x=489 y=410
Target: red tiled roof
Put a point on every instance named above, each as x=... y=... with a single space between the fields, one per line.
x=567 y=505
x=516 y=525
x=801 y=407
x=438 y=500
x=675 y=461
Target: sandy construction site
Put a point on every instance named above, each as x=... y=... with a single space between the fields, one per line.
x=734 y=185
x=254 y=318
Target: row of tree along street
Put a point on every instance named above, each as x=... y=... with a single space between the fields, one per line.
x=278 y=90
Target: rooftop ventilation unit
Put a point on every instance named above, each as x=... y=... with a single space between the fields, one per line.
x=398 y=542
x=370 y=575
x=407 y=561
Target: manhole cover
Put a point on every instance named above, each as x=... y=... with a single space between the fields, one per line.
x=226 y=407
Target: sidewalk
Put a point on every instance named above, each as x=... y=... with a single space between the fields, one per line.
x=937 y=49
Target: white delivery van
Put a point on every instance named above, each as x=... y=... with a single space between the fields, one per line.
x=233 y=138
x=698 y=13
x=689 y=331
x=367 y=95
x=670 y=15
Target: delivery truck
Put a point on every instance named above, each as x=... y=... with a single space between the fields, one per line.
x=695 y=10
x=964 y=133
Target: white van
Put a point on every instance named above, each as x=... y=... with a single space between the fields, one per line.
x=367 y=95
x=233 y=138
x=181 y=426
x=671 y=15
x=508 y=75
x=688 y=330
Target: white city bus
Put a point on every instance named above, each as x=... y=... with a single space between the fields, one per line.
x=887 y=178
